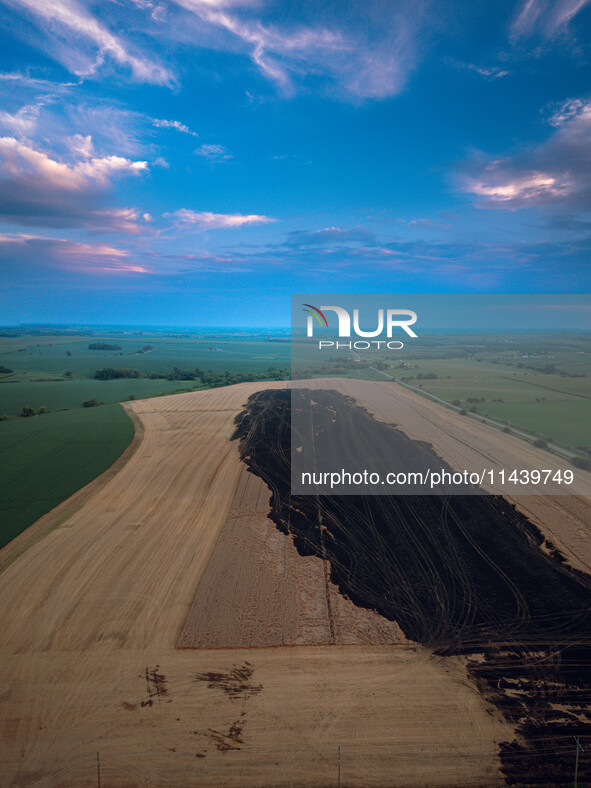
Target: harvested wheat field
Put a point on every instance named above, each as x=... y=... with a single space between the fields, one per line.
x=176 y=549
x=258 y=591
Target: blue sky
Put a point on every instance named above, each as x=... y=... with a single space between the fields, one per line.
x=195 y=162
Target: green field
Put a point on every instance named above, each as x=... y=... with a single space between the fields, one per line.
x=217 y=352
x=39 y=364
x=47 y=458
x=61 y=395
x=539 y=383
x=515 y=389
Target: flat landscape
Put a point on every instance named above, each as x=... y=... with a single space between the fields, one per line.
x=295 y=402
x=58 y=388
x=93 y=613
x=56 y=368
x=533 y=382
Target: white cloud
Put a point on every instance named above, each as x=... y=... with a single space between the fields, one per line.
x=81 y=145
x=214 y=152
x=489 y=72
x=23 y=122
x=567 y=111
x=367 y=49
x=24 y=163
x=514 y=189
x=173 y=124
x=557 y=171
x=26 y=81
x=545 y=18
x=206 y=220
x=70 y=28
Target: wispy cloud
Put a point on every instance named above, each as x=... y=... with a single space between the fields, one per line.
x=329 y=236
x=40 y=252
x=547 y=18
x=489 y=72
x=34 y=83
x=215 y=153
x=22 y=122
x=365 y=51
x=205 y=220
x=79 y=41
x=358 y=51
x=173 y=124
x=567 y=110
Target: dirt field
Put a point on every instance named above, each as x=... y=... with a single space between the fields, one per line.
x=258 y=591
x=92 y=612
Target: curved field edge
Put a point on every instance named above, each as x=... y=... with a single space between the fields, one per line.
x=52 y=463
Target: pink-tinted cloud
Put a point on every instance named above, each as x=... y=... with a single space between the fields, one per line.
x=205 y=220
x=24 y=163
x=39 y=189
x=555 y=172
x=366 y=50
x=39 y=252
x=545 y=17
x=80 y=42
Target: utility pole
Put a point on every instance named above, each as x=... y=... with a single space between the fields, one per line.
x=580 y=748
x=98 y=770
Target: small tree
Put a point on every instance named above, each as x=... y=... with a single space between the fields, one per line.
x=42 y=409
x=68 y=353
x=27 y=411
x=541 y=444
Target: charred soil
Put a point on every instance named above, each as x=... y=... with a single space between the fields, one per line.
x=460 y=574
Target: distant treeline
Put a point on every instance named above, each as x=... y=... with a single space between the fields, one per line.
x=108 y=373
x=211 y=379
x=551 y=369
x=103 y=346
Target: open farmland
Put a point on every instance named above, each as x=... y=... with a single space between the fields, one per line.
x=92 y=664
x=56 y=370
x=539 y=383
x=58 y=394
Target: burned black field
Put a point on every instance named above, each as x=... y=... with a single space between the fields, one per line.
x=460 y=574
